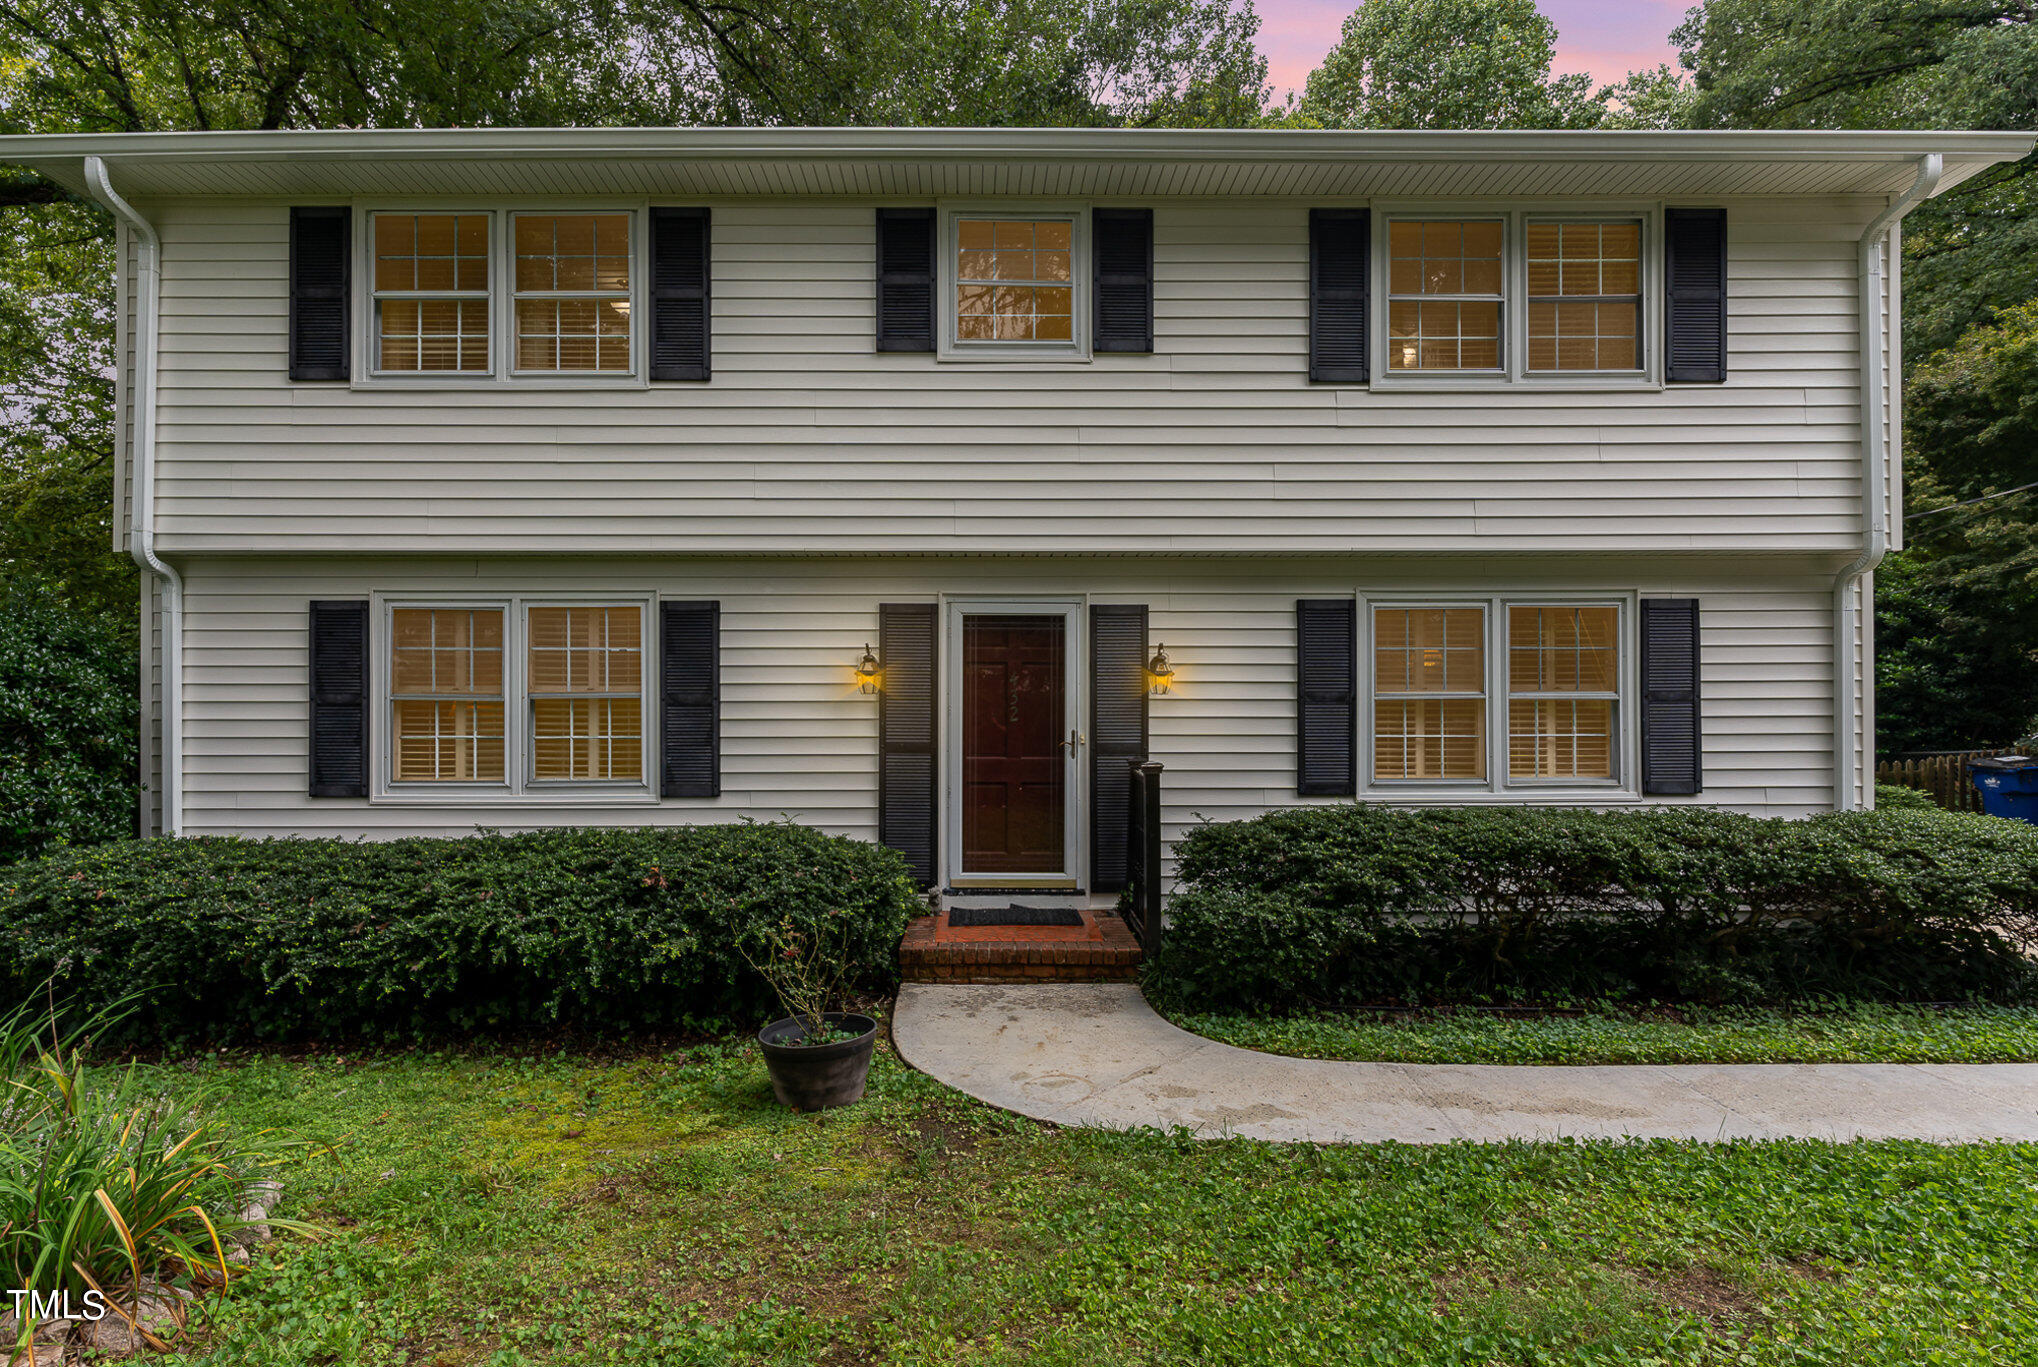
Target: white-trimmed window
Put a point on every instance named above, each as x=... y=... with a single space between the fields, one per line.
x=431 y=293
x=1494 y=693
x=1429 y=694
x=1563 y=692
x=585 y=684
x=1014 y=284
x=572 y=292
x=1514 y=296
x=1584 y=296
x=446 y=695
x=517 y=695
x=1445 y=294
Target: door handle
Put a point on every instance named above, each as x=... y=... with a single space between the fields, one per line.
x=1075 y=739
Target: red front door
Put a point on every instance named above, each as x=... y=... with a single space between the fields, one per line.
x=1014 y=762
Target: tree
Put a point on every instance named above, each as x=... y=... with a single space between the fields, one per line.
x=1447 y=64
x=67 y=725
x=1957 y=612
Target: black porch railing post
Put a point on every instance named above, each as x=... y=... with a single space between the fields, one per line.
x=1143 y=854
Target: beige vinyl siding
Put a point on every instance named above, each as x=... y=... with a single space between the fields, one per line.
x=800 y=741
x=807 y=438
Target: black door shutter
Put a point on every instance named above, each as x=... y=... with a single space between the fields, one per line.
x=1121 y=249
x=690 y=699
x=1695 y=321
x=1118 y=734
x=908 y=661
x=1670 y=711
x=339 y=699
x=1326 y=703
x=680 y=295
x=905 y=280
x=320 y=267
x=1340 y=269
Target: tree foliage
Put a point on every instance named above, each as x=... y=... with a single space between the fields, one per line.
x=1447 y=64
x=1957 y=614
x=67 y=724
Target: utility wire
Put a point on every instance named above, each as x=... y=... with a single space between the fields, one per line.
x=1968 y=502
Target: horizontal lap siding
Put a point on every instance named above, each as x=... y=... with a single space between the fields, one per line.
x=799 y=740
x=807 y=437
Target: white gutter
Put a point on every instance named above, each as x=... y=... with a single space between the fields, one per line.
x=142 y=534
x=1870 y=252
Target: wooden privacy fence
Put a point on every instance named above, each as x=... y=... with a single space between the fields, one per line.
x=1942 y=774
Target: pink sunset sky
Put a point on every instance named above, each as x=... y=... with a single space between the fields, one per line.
x=1605 y=37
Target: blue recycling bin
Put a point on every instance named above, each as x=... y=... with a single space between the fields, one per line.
x=2009 y=786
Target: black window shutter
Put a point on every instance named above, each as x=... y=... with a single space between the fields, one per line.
x=1340 y=271
x=1121 y=252
x=907 y=660
x=320 y=267
x=1695 y=274
x=339 y=698
x=1118 y=733
x=1326 y=703
x=690 y=699
x=905 y=280
x=1671 y=764
x=680 y=295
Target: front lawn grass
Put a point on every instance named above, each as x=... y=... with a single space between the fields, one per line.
x=1857 y=1033
x=499 y=1209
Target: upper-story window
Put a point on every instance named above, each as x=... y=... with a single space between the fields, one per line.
x=1444 y=294
x=1014 y=280
x=1013 y=285
x=431 y=292
x=573 y=292
x=1514 y=296
x=1584 y=296
x=503 y=295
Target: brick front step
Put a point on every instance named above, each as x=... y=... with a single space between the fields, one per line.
x=1101 y=951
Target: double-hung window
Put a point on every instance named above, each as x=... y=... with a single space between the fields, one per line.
x=1429 y=694
x=573 y=292
x=431 y=293
x=504 y=295
x=1563 y=689
x=1514 y=297
x=1444 y=294
x=517 y=695
x=1014 y=284
x=1496 y=693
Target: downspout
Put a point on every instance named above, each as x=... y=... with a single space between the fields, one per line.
x=1870 y=251
x=142 y=534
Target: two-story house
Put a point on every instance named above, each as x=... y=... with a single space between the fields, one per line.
x=910 y=482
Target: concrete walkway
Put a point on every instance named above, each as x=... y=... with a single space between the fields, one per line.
x=1097 y=1054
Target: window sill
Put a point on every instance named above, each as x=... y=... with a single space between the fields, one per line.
x=1496 y=384
x=484 y=384
x=514 y=800
x=1014 y=357
x=1510 y=797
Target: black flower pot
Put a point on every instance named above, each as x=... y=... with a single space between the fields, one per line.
x=814 y=1077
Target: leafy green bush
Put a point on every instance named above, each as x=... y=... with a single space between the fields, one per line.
x=1340 y=906
x=68 y=724
x=592 y=929
x=1894 y=797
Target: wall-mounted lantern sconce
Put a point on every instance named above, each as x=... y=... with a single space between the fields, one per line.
x=867 y=670
x=1160 y=674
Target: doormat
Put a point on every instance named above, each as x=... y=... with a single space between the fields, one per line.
x=1014 y=916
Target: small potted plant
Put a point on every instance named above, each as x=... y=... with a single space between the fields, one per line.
x=818 y=1058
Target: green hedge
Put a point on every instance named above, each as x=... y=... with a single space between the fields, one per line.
x=1349 y=905
x=602 y=930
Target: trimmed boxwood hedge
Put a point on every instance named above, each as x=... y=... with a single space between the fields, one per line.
x=598 y=930
x=1362 y=904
